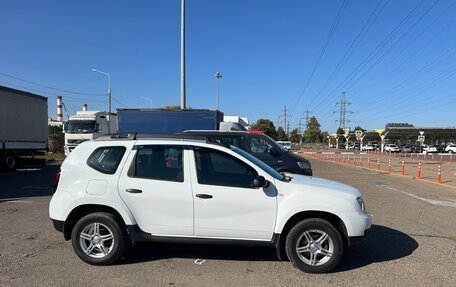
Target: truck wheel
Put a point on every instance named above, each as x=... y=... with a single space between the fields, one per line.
x=314 y=246
x=10 y=161
x=98 y=239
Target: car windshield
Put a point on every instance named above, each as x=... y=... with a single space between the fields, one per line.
x=272 y=172
x=80 y=127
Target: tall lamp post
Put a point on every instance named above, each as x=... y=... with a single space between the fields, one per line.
x=109 y=87
x=218 y=76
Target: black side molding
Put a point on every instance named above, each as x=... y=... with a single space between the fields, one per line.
x=136 y=234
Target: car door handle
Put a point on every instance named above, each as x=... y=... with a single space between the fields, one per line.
x=132 y=190
x=204 y=196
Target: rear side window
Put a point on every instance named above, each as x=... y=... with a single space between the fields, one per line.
x=106 y=159
x=159 y=162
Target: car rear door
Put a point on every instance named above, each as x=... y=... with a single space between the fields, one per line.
x=156 y=188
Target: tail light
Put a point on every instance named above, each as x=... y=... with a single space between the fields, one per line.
x=56 y=181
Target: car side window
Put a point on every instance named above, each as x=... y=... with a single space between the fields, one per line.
x=257 y=145
x=231 y=140
x=159 y=162
x=214 y=167
x=106 y=159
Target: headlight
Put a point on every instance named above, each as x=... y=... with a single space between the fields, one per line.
x=361 y=203
x=304 y=164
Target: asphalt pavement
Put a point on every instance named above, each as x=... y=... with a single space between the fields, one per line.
x=412 y=242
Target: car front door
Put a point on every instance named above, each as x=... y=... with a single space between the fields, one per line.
x=156 y=188
x=226 y=204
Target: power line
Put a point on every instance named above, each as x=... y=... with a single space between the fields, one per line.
x=355 y=43
x=395 y=43
x=323 y=50
x=372 y=54
x=49 y=93
x=407 y=48
x=49 y=87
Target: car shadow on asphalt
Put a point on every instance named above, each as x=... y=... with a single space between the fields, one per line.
x=28 y=181
x=144 y=252
x=383 y=244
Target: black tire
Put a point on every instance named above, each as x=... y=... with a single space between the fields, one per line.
x=315 y=228
x=10 y=161
x=99 y=254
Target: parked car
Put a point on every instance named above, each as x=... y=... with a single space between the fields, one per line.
x=416 y=148
x=429 y=149
x=262 y=147
x=368 y=147
x=441 y=148
x=354 y=146
x=451 y=148
x=391 y=148
x=114 y=191
x=406 y=149
x=284 y=144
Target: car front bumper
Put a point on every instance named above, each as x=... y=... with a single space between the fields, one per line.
x=354 y=240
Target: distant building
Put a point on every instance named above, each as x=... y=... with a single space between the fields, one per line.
x=398 y=125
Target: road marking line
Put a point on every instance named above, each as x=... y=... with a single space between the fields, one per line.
x=449 y=203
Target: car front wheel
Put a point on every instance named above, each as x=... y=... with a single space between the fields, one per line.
x=98 y=239
x=314 y=246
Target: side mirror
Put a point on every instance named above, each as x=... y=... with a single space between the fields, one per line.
x=260 y=181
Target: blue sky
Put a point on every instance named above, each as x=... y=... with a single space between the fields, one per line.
x=272 y=54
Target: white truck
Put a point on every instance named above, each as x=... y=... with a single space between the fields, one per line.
x=87 y=125
x=23 y=126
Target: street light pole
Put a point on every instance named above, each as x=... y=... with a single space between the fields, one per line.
x=109 y=87
x=218 y=76
x=183 y=98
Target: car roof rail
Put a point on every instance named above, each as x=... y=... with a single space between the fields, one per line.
x=184 y=136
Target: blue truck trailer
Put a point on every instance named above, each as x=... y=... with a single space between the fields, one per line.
x=162 y=121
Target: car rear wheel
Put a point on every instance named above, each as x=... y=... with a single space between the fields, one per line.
x=98 y=239
x=314 y=246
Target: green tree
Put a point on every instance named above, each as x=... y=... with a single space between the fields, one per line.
x=324 y=136
x=266 y=126
x=358 y=128
x=340 y=131
x=313 y=132
x=295 y=137
x=173 y=107
x=281 y=135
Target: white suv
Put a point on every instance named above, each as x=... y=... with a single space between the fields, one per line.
x=451 y=148
x=392 y=148
x=111 y=192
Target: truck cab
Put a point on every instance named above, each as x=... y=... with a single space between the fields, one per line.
x=87 y=125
